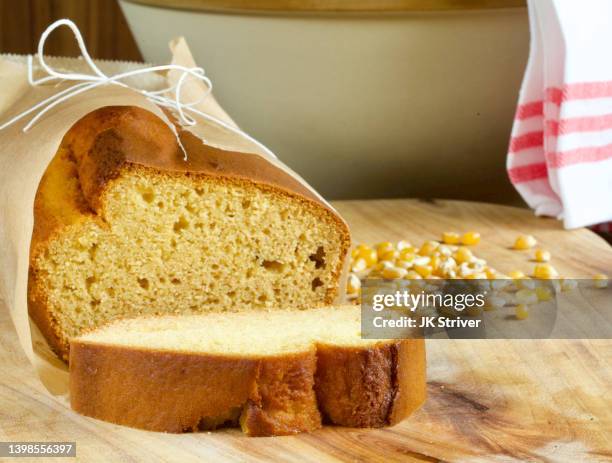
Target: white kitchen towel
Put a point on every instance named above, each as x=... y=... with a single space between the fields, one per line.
x=560 y=154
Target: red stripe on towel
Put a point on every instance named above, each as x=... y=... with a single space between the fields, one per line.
x=529 y=110
x=526 y=141
x=579 y=124
x=579 y=156
x=528 y=173
x=579 y=91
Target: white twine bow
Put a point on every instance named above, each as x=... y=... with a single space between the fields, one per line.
x=98 y=78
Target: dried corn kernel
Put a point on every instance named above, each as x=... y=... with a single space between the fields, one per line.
x=521 y=312
x=463 y=254
x=500 y=283
x=568 y=285
x=422 y=260
x=444 y=250
x=465 y=270
x=353 y=284
x=359 y=265
x=524 y=242
x=600 y=281
x=390 y=256
x=545 y=271
x=526 y=296
x=434 y=263
x=428 y=248
x=383 y=247
x=494 y=302
x=383 y=265
x=413 y=275
x=526 y=283
x=476 y=276
x=403 y=244
x=450 y=238
x=369 y=255
x=423 y=270
x=391 y=273
x=491 y=273
x=470 y=238
x=406 y=264
x=544 y=293
x=407 y=254
x=541 y=255
x=516 y=275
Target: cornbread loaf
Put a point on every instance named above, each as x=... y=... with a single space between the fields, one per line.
x=124 y=226
x=271 y=372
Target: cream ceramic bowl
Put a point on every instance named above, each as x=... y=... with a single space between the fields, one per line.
x=374 y=99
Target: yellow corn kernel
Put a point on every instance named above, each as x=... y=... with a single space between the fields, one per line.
x=401 y=263
x=390 y=256
x=403 y=244
x=448 y=268
x=470 y=238
x=476 y=276
x=463 y=254
x=391 y=273
x=362 y=247
x=353 y=284
x=545 y=271
x=501 y=282
x=407 y=254
x=450 y=238
x=423 y=270
x=491 y=273
x=526 y=296
x=422 y=260
x=544 y=293
x=434 y=263
x=526 y=283
x=494 y=302
x=444 y=250
x=568 y=285
x=600 y=280
x=521 y=312
x=540 y=255
x=384 y=247
x=524 y=242
x=428 y=248
x=413 y=275
x=380 y=266
x=359 y=265
x=516 y=275
x=369 y=255
x=355 y=253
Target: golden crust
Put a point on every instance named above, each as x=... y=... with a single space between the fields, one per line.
x=179 y=392
x=115 y=141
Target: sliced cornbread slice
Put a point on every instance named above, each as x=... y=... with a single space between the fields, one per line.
x=272 y=372
x=124 y=226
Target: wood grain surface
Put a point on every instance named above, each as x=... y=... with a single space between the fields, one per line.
x=546 y=400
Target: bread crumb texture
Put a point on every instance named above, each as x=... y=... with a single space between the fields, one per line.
x=270 y=372
x=159 y=242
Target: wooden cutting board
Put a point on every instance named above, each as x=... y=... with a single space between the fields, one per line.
x=488 y=400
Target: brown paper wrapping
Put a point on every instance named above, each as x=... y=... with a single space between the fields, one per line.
x=25 y=156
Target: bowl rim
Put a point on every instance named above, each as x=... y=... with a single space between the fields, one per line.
x=329 y=6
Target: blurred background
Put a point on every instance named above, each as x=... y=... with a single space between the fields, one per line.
x=364 y=98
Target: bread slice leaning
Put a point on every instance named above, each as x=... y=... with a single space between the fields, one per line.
x=125 y=226
x=271 y=372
